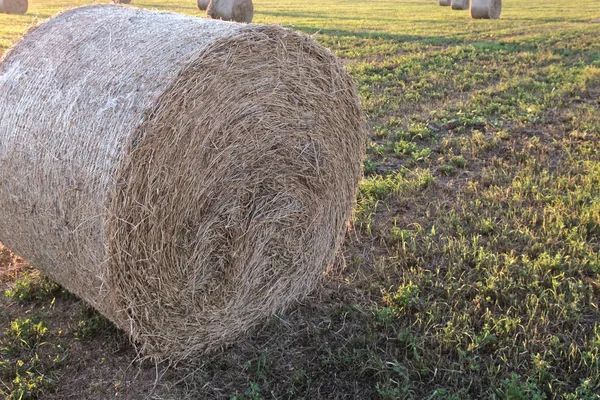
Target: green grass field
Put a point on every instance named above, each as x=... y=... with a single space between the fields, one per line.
x=472 y=270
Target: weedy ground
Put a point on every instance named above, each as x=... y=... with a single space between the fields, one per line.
x=472 y=268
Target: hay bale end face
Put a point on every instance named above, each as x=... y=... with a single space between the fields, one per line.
x=445 y=3
x=460 y=4
x=486 y=9
x=203 y=4
x=186 y=183
x=13 y=6
x=231 y=10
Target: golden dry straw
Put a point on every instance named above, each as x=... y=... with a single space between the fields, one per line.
x=187 y=182
x=445 y=2
x=231 y=10
x=486 y=9
x=13 y=6
x=460 y=4
x=203 y=4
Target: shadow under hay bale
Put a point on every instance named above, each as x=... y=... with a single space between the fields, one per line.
x=186 y=183
x=445 y=3
x=13 y=6
x=231 y=10
x=460 y=4
x=203 y=4
x=486 y=9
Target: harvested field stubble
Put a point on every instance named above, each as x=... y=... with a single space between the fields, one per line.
x=186 y=198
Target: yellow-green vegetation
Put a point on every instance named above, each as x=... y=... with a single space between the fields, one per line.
x=472 y=269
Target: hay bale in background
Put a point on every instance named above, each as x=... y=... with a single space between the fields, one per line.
x=445 y=2
x=231 y=10
x=13 y=6
x=203 y=4
x=487 y=9
x=460 y=4
x=188 y=181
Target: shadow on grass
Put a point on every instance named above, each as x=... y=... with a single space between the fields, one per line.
x=462 y=39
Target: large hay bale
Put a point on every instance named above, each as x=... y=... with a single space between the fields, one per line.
x=486 y=9
x=231 y=10
x=13 y=6
x=460 y=4
x=203 y=4
x=188 y=181
x=445 y=3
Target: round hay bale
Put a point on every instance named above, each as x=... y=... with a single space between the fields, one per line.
x=203 y=4
x=231 y=10
x=13 y=6
x=445 y=3
x=188 y=181
x=460 y=4
x=486 y=9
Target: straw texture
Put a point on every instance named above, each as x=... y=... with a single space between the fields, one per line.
x=486 y=9
x=445 y=2
x=188 y=181
x=203 y=4
x=231 y=10
x=13 y=6
x=460 y=4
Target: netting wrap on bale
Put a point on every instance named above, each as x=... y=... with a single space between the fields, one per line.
x=460 y=4
x=13 y=6
x=188 y=181
x=231 y=10
x=486 y=9
x=203 y=4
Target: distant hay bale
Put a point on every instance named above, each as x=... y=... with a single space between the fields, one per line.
x=460 y=4
x=231 y=10
x=188 y=181
x=445 y=2
x=203 y=4
x=13 y=6
x=486 y=9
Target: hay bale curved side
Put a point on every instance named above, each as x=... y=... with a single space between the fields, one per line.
x=190 y=196
x=460 y=4
x=13 y=6
x=231 y=10
x=445 y=3
x=486 y=9
x=203 y=4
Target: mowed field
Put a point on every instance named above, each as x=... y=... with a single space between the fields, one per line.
x=472 y=267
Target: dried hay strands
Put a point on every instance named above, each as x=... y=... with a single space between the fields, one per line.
x=445 y=3
x=460 y=4
x=187 y=182
x=231 y=10
x=486 y=9
x=13 y=6
x=203 y=4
